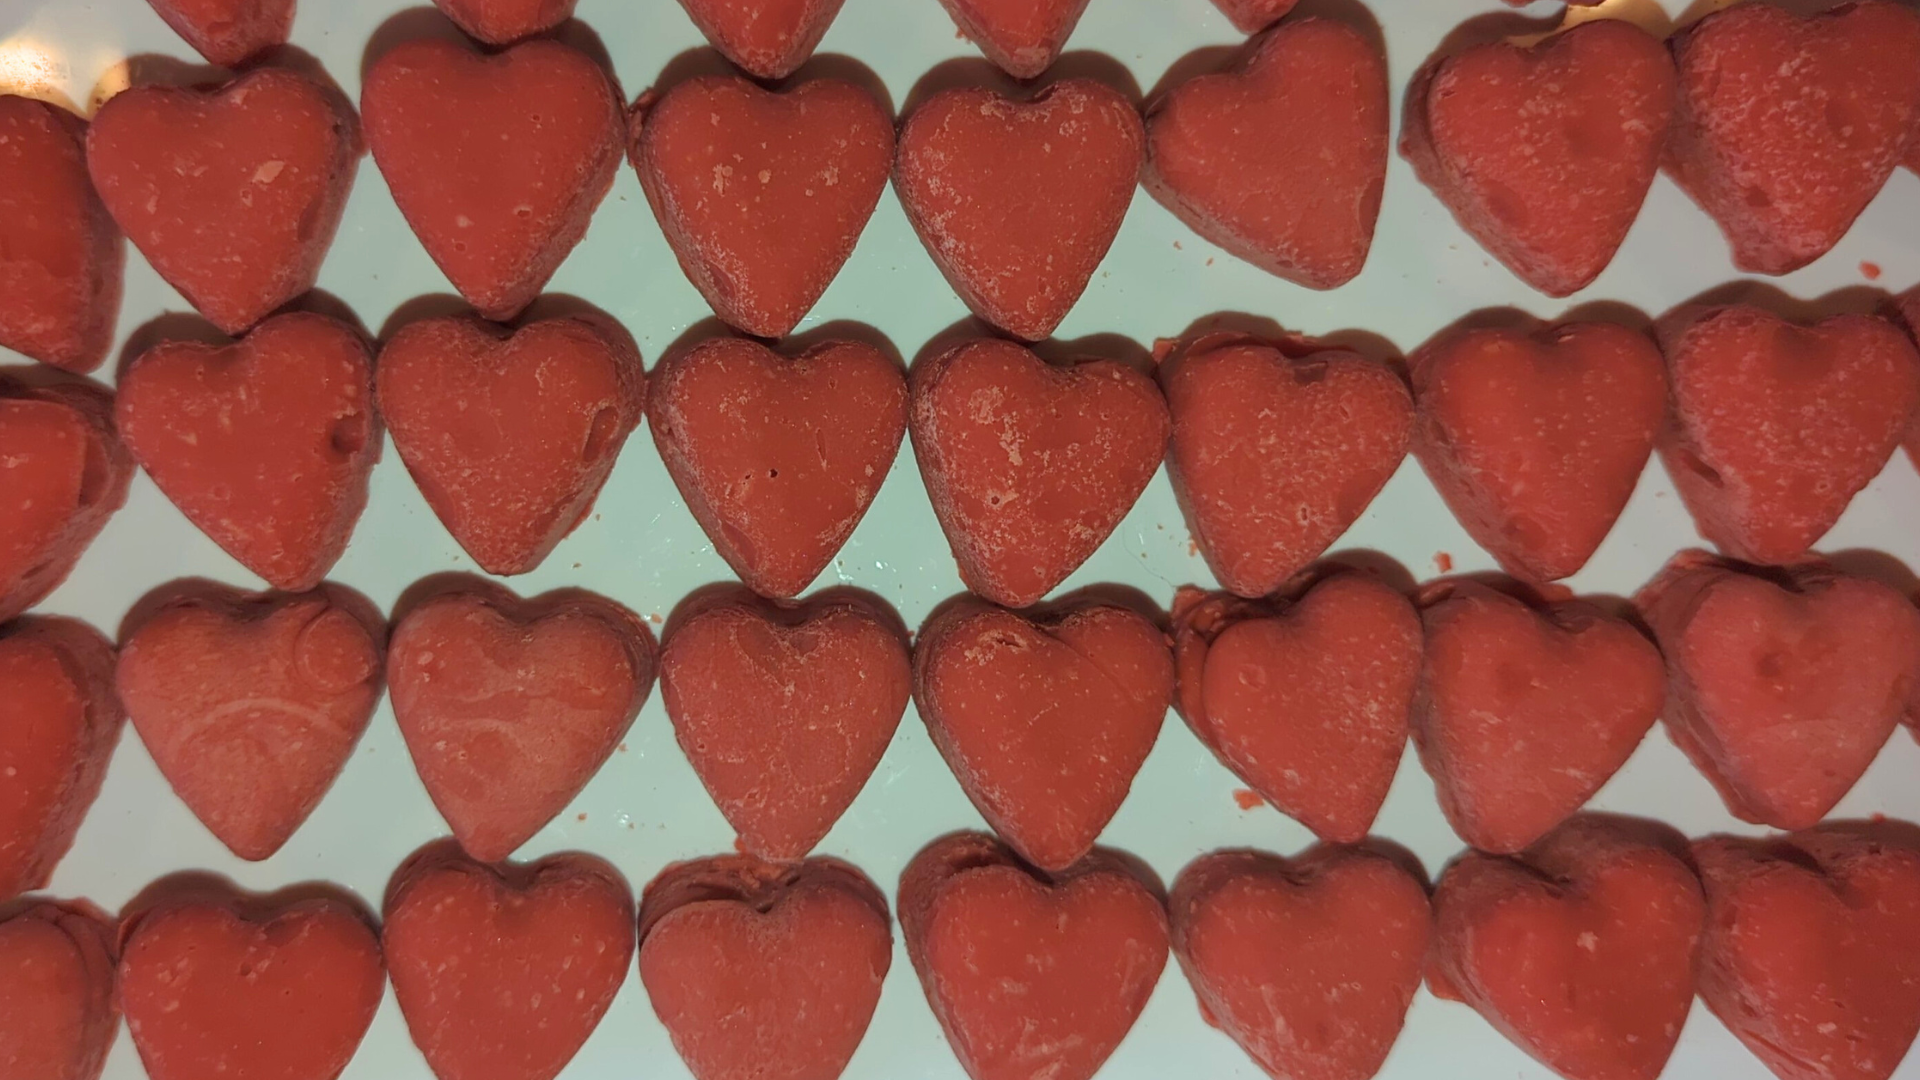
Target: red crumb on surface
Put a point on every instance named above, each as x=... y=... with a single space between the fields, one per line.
x=1247 y=798
x=581 y=817
x=1443 y=562
x=1870 y=270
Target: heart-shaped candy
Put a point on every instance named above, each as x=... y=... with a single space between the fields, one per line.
x=1545 y=152
x=764 y=972
x=251 y=705
x=497 y=160
x=1031 y=975
x=59 y=721
x=1537 y=439
x=63 y=473
x=1282 y=159
x=502 y=972
x=510 y=433
x=1307 y=701
x=1787 y=126
x=1784 y=687
x=510 y=706
x=778 y=458
x=265 y=444
x=1309 y=963
x=1022 y=37
x=58 y=1014
x=503 y=22
x=1029 y=465
x=762 y=195
x=242 y=986
x=1018 y=201
x=1507 y=719
x=1906 y=313
x=1776 y=426
x=1273 y=454
x=233 y=193
x=1252 y=16
x=1043 y=718
x=61 y=257
x=769 y=38
x=1580 y=950
x=228 y=32
x=784 y=710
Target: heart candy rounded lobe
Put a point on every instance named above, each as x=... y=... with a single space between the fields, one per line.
x=1786 y=127
x=228 y=32
x=1581 y=949
x=266 y=444
x=1812 y=949
x=496 y=160
x=63 y=473
x=256 y=987
x=58 y=1014
x=784 y=710
x=1252 y=16
x=1281 y=159
x=1030 y=466
x=61 y=256
x=1021 y=37
x=762 y=971
x=509 y=706
x=778 y=457
x=1536 y=440
x=762 y=194
x=1308 y=963
x=59 y=721
x=1906 y=314
x=232 y=193
x=1031 y=974
x=1544 y=153
x=502 y=972
x=1017 y=201
x=251 y=704
x=1274 y=455
x=1785 y=686
x=510 y=433
x=503 y=22
x=1306 y=701
x=770 y=39
x=1776 y=426
x=1506 y=719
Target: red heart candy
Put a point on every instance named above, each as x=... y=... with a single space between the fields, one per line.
x=497 y=160
x=1018 y=201
x=265 y=444
x=762 y=195
x=1022 y=37
x=59 y=721
x=247 y=987
x=1907 y=314
x=1776 y=426
x=1784 y=688
x=1280 y=160
x=1251 y=16
x=250 y=705
x=503 y=22
x=510 y=706
x=764 y=972
x=1787 y=126
x=1309 y=963
x=503 y=972
x=1030 y=975
x=1031 y=466
x=1537 y=439
x=58 y=1015
x=1306 y=701
x=777 y=458
x=510 y=433
x=1812 y=950
x=783 y=710
x=1506 y=718
x=1274 y=455
x=1579 y=950
x=228 y=32
x=769 y=38
x=61 y=257
x=1544 y=153
x=1044 y=719
x=234 y=193
x=63 y=473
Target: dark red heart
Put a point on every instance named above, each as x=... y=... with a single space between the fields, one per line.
x=61 y=257
x=63 y=473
